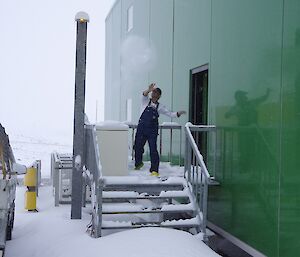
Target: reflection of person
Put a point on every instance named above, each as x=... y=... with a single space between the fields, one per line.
x=245 y=134
x=147 y=129
x=245 y=109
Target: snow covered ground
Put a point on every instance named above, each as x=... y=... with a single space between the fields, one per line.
x=51 y=233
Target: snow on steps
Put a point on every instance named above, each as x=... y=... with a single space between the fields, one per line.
x=133 y=180
x=135 y=196
x=181 y=223
x=138 y=208
x=142 y=184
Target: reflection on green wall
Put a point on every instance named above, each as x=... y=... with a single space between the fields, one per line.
x=290 y=177
x=245 y=86
x=255 y=64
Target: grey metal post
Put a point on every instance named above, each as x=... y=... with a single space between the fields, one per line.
x=188 y=156
x=132 y=144
x=56 y=183
x=78 y=137
x=171 y=139
x=160 y=141
x=99 y=212
x=204 y=211
x=180 y=143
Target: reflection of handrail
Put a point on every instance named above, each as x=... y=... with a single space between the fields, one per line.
x=266 y=144
x=259 y=133
x=164 y=126
x=196 y=171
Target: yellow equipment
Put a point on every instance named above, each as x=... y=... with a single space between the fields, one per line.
x=30 y=177
x=30 y=201
x=30 y=180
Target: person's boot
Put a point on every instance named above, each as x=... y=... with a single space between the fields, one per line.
x=139 y=166
x=154 y=173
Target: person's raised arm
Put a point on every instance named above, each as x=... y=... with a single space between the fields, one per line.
x=149 y=89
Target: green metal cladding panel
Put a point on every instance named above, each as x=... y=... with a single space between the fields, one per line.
x=244 y=102
x=289 y=226
x=112 y=91
x=191 y=47
x=161 y=38
x=108 y=32
x=191 y=50
x=134 y=75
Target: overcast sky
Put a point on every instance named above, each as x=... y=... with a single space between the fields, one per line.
x=37 y=65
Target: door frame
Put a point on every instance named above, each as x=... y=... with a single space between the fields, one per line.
x=192 y=72
x=203 y=137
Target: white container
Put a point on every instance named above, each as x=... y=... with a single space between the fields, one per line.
x=112 y=137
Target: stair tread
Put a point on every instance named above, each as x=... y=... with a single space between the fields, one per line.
x=136 y=180
x=182 y=223
x=136 y=208
x=136 y=195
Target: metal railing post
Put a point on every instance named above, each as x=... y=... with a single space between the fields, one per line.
x=56 y=183
x=132 y=144
x=180 y=143
x=188 y=160
x=160 y=141
x=171 y=140
x=99 y=206
x=204 y=212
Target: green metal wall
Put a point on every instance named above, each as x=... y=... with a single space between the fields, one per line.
x=246 y=55
x=112 y=63
x=153 y=26
x=289 y=223
x=252 y=49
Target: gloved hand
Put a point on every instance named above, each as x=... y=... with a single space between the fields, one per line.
x=151 y=87
x=179 y=113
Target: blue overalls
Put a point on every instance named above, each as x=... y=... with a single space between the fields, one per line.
x=147 y=130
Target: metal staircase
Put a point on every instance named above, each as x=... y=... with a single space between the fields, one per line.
x=177 y=202
x=168 y=200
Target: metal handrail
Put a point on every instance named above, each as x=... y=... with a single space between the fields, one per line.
x=164 y=126
x=92 y=151
x=93 y=171
x=196 y=172
x=60 y=163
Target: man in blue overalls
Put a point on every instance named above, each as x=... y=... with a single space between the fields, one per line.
x=147 y=129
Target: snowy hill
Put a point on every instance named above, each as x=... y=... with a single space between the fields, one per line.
x=27 y=150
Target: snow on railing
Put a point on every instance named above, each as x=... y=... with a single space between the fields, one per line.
x=94 y=174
